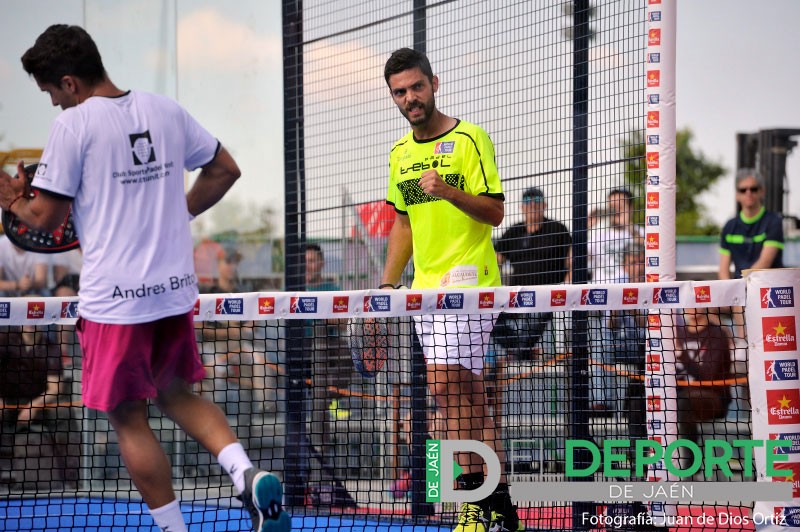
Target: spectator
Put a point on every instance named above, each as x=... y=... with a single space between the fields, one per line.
x=207 y=254
x=22 y=272
x=539 y=250
x=66 y=263
x=703 y=355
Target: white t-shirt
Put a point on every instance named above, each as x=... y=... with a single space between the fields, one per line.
x=606 y=246
x=121 y=160
x=17 y=263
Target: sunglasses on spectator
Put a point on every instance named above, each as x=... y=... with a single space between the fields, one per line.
x=748 y=189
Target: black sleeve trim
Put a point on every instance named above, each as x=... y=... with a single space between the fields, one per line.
x=54 y=194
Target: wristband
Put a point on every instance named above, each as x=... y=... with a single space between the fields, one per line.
x=14 y=201
x=386 y=285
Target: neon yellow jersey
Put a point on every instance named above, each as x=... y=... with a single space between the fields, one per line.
x=450 y=248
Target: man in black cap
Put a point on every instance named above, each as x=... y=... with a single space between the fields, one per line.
x=538 y=250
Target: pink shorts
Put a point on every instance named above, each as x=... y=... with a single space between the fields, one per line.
x=133 y=362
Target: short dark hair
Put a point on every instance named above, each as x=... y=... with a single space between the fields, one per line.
x=64 y=50
x=406 y=59
x=623 y=192
x=315 y=247
x=71 y=281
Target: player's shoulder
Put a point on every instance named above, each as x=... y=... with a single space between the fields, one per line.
x=470 y=128
x=404 y=141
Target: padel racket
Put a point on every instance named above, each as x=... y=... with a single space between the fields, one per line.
x=62 y=239
x=369 y=344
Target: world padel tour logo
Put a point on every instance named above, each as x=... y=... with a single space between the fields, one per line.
x=35 y=310
x=5 y=310
x=630 y=296
x=594 y=296
x=793 y=476
x=524 y=299
x=780 y=370
x=302 y=305
x=341 y=303
x=381 y=303
x=779 y=333
x=450 y=301
x=702 y=294
x=413 y=301
x=229 y=305
x=486 y=300
x=777 y=297
x=783 y=406
x=266 y=305
x=787 y=515
x=666 y=295
x=69 y=309
x=558 y=298
x=793 y=437
x=444 y=147
x=655 y=16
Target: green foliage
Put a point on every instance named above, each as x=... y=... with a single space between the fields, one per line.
x=695 y=175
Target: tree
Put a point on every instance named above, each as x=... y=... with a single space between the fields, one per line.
x=694 y=175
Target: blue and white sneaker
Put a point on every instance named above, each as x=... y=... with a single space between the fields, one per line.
x=263 y=496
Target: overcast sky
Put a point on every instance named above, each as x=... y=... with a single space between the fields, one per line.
x=737 y=72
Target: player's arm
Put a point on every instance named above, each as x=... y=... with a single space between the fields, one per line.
x=45 y=212
x=772 y=246
x=213 y=182
x=724 y=264
x=398 y=250
x=484 y=209
x=766 y=258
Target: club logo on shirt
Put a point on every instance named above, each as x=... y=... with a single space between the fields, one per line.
x=142 y=148
x=302 y=305
x=702 y=294
x=524 y=299
x=35 y=310
x=229 y=305
x=777 y=297
x=413 y=301
x=450 y=301
x=594 y=296
x=444 y=147
x=41 y=169
x=266 y=305
x=666 y=295
x=486 y=300
x=69 y=309
x=779 y=333
x=558 y=298
x=780 y=370
x=5 y=310
x=783 y=406
x=341 y=303
x=377 y=303
x=630 y=296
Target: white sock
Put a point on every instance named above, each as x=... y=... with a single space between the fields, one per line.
x=169 y=518
x=235 y=462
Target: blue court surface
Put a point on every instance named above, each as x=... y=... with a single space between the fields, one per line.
x=100 y=515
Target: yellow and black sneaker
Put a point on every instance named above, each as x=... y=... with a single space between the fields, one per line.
x=471 y=518
x=499 y=523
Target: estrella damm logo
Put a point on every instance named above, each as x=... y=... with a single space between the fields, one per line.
x=654 y=322
x=197 y=307
x=666 y=295
x=594 y=296
x=783 y=406
x=651 y=277
x=702 y=294
x=779 y=333
x=382 y=303
x=229 y=305
x=777 y=297
x=5 y=310
x=35 y=310
x=652 y=160
x=486 y=300
x=653 y=362
x=630 y=296
x=266 y=305
x=793 y=437
x=341 y=303
x=522 y=299
x=558 y=298
x=780 y=370
x=654 y=37
x=450 y=301
x=302 y=305
x=653 y=78
x=413 y=301
x=653 y=119
x=652 y=241
x=652 y=200
x=69 y=309
x=793 y=476
x=653 y=403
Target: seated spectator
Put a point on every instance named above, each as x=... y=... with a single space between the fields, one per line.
x=21 y=272
x=67 y=263
x=703 y=355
